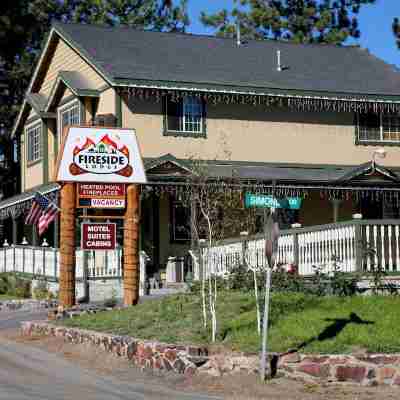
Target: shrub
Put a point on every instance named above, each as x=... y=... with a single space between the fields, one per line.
x=41 y=291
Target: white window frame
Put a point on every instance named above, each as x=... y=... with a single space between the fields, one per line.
x=64 y=109
x=35 y=154
x=381 y=130
x=183 y=119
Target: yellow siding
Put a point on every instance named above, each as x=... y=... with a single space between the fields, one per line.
x=249 y=133
x=107 y=102
x=66 y=59
x=34 y=176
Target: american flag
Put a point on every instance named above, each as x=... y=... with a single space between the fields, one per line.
x=42 y=213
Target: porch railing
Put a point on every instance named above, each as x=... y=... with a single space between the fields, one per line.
x=357 y=245
x=45 y=262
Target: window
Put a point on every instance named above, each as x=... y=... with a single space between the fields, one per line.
x=69 y=114
x=185 y=115
x=33 y=135
x=378 y=128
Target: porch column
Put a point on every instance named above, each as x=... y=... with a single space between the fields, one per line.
x=131 y=246
x=14 y=230
x=336 y=205
x=67 y=248
x=35 y=238
x=56 y=233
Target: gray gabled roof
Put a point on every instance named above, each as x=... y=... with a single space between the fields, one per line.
x=126 y=55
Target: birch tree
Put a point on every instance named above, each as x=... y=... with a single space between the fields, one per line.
x=220 y=214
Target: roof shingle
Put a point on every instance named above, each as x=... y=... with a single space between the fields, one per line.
x=126 y=54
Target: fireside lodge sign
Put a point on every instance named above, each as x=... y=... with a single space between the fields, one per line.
x=105 y=155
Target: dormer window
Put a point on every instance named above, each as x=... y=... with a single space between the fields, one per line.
x=185 y=115
x=378 y=128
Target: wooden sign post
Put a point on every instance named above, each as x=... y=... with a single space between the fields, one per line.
x=99 y=156
x=131 y=246
x=67 y=245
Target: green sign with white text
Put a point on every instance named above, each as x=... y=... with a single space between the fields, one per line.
x=252 y=200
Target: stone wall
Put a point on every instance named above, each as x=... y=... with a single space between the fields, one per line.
x=147 y=355
x=363 y=369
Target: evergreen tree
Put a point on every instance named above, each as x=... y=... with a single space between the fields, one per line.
x=25 y=23
x=396 y=31
x=300 y=21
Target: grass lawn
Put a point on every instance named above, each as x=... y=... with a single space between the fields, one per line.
x=8 y=297
x=312 y=324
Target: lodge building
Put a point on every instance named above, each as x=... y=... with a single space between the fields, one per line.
x=305 y=126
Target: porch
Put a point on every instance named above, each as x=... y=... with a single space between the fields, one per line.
x=356 y=245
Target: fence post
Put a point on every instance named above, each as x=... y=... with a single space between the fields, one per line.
x=358 y=244
x=33 y=261
x=244 y=247
x=55 y=262
x=13 y=257
x=296 y=257
x=23 y=259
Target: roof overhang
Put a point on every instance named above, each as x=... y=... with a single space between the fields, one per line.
x=17 y=205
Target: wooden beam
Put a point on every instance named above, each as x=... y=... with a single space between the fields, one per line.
x=67 y=245
x=131 y=246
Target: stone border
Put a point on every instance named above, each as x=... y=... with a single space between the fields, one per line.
x=364 y=369
x=148 y=355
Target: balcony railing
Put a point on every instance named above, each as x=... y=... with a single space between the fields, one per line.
x=357 y=245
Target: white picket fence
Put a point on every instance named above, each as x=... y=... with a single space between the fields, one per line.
x=45 y=262
x=355 y=245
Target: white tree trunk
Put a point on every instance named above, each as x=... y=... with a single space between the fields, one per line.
x=257 y=302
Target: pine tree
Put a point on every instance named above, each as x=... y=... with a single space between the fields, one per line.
x=300 y=21
x=396 y=31
x=25 y=23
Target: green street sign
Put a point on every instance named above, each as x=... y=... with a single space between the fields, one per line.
x=252 y=200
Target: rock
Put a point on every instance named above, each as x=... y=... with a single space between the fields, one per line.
x=385 y=375
x=289 y=358
x=170 y=355
x=315 y=369
x=350 y=373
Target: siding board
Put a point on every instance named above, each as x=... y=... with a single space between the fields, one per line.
x=66 y=59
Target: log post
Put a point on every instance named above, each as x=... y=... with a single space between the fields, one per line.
x=131 y=246
x=67 y=245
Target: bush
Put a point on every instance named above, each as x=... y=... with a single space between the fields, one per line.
x=15 y=285
x=41 y=291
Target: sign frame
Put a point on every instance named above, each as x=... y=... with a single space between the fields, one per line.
x=113 y=239
x=79 y=196
x=106 y=178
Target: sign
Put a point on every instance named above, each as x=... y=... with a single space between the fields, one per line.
x=264 y=201
x=101 y=195
x=100 y=155
x=98 y=236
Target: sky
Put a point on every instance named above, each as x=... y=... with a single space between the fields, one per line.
x=375 y=23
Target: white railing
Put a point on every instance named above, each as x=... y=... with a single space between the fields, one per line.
x=357 y=245
x=45 y=262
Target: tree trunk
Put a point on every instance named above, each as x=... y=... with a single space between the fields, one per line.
x=67 y=245
x=131 y=246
